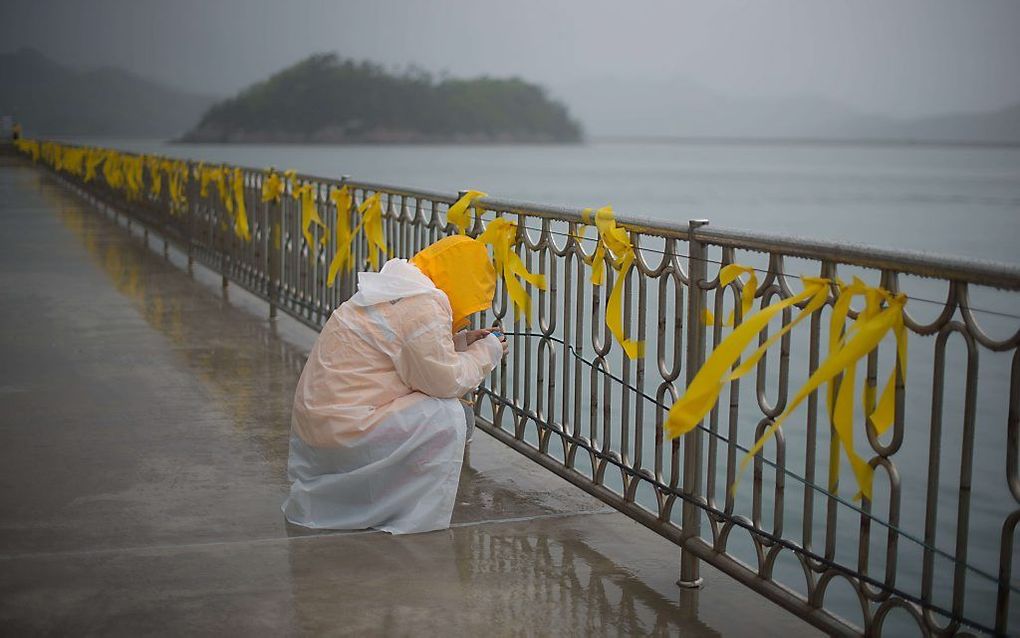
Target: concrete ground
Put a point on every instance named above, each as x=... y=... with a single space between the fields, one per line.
x=143 y=440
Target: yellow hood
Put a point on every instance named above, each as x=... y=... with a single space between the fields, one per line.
x=460 y=267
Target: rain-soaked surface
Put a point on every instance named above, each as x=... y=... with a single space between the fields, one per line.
x=143 y=439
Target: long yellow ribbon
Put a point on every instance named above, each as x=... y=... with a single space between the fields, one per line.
x=272 y=187
x=726 y=277
x=309 y=215
x=205 y=176
x=458 y=215
x=867 y=334
x=704 y=389
x=29 y=147
x=93 y=158
x=177 y=174
x=111 y=170
x=617 y=241
x=371 y=220
x=240 y=210
x=217 y=176
x=842 y=420
x=344 y=257
x=155 y=176
x=501 y=234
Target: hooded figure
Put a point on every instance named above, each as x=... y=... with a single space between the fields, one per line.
x=378 y=433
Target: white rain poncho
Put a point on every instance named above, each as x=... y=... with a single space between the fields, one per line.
x=378 y=430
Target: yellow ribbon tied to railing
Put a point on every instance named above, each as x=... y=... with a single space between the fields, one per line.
x=226 y=196
x=240 y=210
x=458 y=214
x=715 y=373
x=93 y=158
x=218 y=176
x=205 y=175
x=615 y=240
x=883 y=313
x=112 y=172
x=305 y=194
x=344 y=257
x=74 y=160
x=501 y=235
x=273 y=187
x=134 y=176
x=726 y=276
x=176 y=175
x=371 y=220
x=840 y=397
x=155 y=176
x=28 y=147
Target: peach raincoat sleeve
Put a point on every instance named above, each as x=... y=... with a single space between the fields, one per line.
x=429 y=362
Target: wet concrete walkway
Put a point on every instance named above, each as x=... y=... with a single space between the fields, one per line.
x=143 y=440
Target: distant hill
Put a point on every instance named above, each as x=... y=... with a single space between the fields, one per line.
x=50 y=99
x=331 y=100
x=678 y=107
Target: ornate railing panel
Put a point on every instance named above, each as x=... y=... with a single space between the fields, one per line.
x=932 y=550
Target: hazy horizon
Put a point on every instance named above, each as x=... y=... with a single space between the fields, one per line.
x=908 y=58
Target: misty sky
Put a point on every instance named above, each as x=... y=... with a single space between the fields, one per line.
x=899 y=57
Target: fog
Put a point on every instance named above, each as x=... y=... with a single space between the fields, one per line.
x=901 y=57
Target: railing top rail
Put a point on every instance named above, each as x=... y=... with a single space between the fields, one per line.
x=978 y=271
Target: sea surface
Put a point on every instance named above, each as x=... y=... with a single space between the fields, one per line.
x=943 y=199
x=946 y=200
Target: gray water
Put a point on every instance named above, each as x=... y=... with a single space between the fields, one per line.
x=945 y=200
x=949 y=200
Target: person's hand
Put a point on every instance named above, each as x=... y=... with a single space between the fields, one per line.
x=475 y=335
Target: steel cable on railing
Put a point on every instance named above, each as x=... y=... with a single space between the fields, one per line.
x=772 y=538
x=772 y=464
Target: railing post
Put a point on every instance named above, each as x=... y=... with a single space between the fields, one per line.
x=191 y=188
x=690 y=569
x=274 y=257
x=223 y=240
x=344 y=280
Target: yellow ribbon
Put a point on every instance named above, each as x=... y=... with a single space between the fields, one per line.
x=177 y=174
x=217 y=176
x=272 y=187
x=617 y=241
x=501 y=234
x=704 y=389
x=845 y=350
x=240 y=210
x=227 y=197
x=112 y=170
x=726 y=277
x=155 y=177
x=93 y=158
x=132 y=168
x=371 y=220
x=309 y=214
x=28 y=147
x=205 y=176
x=841 y=404
x=867 y=333
x=458 y=215
x=72 y=160
x=344 y=257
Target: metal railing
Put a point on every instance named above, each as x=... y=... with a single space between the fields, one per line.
x=933 y=549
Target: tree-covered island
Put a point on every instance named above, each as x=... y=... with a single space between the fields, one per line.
x=326 y=99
